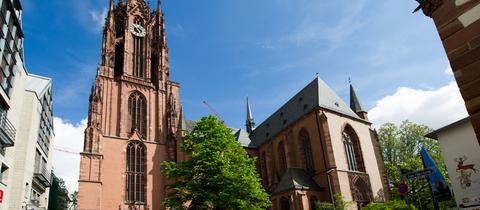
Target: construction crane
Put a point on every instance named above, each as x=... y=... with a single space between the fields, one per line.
x=213 y=111
x=65 y=150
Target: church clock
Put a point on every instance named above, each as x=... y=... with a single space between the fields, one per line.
x=137 y=30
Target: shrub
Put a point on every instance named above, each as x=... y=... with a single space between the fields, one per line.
x=390 y=205
x=340 y=203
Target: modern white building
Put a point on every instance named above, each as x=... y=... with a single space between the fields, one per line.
x=461 y=152
x=26 y=124
x=32 y=165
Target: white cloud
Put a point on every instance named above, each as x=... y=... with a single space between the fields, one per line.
x=448 y=70
x=98 y=18
x=68 y=137
x=435 y=108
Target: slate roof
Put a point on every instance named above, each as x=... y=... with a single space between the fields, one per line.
x=296 y=178
x=242 y=137
x=240 y=134
x=355 y=104
x=187 y=125
x=315 y=94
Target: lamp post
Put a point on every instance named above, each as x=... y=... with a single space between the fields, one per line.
x=328 y=172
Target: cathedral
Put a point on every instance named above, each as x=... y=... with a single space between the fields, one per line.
x=311 y=148
x=133 y=118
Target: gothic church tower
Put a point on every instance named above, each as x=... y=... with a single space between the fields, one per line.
x=134 y=113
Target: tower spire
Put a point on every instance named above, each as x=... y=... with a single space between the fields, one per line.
x=159 y=7
x=355 y=104
x=250 y=124
x=112 y=5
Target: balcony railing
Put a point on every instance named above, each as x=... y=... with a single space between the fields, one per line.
x=42 y=176
x=7 y=131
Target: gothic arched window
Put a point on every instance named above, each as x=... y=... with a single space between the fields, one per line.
x=307 y=150
x=353 y=150
x=282 y=158
x=139 y=53
x=263 y=165
x=137 y=110
x=135 y=173
x=284 y=204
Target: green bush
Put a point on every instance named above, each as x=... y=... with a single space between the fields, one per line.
x=323 y=206
x=391 y=205
x=340 y=203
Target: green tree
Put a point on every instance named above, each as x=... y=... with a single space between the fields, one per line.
x=401 y=146
x=340 y=203
x=219 y=174
x=73 y=204
x=58 y=196
x=391 y=205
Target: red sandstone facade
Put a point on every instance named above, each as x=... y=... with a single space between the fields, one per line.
x=133 y=115
x=312 y=138
x=458 y=24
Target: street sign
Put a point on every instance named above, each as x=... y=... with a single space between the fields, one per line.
x=1 y=196
x=417 y=174
x=403 y=189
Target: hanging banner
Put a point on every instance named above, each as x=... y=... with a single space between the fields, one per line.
x=439 y=186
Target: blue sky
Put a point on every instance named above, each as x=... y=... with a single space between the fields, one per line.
x=223 y=50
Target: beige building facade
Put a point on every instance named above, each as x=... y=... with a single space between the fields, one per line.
x=461 y=153
x=32 y=165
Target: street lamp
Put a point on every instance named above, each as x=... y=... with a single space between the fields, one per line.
x=328 y=172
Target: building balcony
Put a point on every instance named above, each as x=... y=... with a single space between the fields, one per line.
x=7 y=131
x=42 y=177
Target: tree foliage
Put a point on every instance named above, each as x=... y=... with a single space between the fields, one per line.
x=391 y=205
x=401 y=147
x=219 y=174
x=58 y=196
x=74 y=198
x=340 y=203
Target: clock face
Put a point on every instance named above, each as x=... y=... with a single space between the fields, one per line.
x=137 y=30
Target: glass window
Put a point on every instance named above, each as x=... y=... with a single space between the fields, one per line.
x=282 y=158
x=353 y=150
x=307 y=150
x=135 y=173
x=137 y=106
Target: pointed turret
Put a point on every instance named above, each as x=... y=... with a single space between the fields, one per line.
x=182 y=123
x=112 y=5
x=355 y=104
x=250 y=124
x=159 y=7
